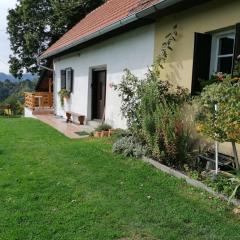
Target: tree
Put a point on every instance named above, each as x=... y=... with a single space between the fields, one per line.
x=34 y=25
x=13 y=93
x=221 y=124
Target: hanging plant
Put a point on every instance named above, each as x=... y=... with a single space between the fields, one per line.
x=64 y=94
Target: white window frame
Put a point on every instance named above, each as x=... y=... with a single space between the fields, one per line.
x=215 y=49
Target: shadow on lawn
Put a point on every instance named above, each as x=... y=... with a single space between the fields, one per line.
x=10 y=117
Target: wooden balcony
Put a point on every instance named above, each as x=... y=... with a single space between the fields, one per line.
x=38 y=100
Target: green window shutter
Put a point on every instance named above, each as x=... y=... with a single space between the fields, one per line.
x=236 y=47
x=72 y=80
x=63 y=79
x=201 y=60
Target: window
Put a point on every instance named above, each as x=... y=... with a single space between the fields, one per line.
x=222 y=52
x=67 y=76
x=214 y=52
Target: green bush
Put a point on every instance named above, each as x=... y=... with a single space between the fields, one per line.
x=16 y=106
x=168 y=135
x=129 y=147
x=224 y=124
x=225 y=183
x=119 y=133
x=154 y=118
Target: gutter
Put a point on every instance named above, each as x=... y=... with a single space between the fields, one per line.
x=45 y=68
x=162 y=4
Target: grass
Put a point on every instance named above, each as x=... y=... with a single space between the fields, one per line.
x=55 y=188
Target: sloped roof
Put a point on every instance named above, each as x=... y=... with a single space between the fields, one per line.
x=107 y=14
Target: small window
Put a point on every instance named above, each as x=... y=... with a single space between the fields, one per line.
x=67 y=79
x=222 y=52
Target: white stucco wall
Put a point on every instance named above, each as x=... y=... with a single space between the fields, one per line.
x=28 y=113
x=133 y=50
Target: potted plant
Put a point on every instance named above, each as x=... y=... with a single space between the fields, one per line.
x=97 y=134
x=102 y=130
x=111 y=132
x=64 y=94
x=81 y=119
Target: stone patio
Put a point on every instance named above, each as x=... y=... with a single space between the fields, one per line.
x=68 y=129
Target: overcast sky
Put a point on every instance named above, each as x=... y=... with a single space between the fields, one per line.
x=4 y=42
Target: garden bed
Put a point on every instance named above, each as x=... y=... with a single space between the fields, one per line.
x=190 y=180
x=167 y=124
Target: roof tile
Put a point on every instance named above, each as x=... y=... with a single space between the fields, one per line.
x=103 y=16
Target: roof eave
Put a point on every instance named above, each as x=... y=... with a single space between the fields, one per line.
x=161 y=5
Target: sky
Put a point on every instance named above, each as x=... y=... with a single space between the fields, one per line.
x=4 y=42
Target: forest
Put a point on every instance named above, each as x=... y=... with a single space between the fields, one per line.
x=12 y=93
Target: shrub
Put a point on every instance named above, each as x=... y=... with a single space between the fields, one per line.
x=155 y=119
x=129 y=147
x=223 y=124
x=119 y=133
x=225 y=183
x=129 y=91
x=16 y=106
x=168 y=136
x=103 y=127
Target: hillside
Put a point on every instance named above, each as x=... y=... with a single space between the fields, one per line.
x=27 y=76
x=12 y=92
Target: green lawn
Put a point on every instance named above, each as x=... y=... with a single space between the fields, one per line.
x=55 y=188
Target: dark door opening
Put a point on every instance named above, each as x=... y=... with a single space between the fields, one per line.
x=98 y=93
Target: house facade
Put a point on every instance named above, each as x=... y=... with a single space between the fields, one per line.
x=96 y=69
x=90 y=58
x=208 y=41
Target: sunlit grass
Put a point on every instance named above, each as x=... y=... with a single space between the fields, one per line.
x=52 y=187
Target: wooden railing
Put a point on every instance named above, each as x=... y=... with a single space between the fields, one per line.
x=38 y=100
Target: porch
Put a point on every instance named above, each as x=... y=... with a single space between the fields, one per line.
x=41 y=100
x=35 y=100
x=70 y=130
x=38 y=103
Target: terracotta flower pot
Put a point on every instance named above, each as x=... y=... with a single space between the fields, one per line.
x=110 y=132
x=97 y=134
x=81 y=119
x=104 y=134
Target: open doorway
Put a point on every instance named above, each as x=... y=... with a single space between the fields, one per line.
x=98 y=93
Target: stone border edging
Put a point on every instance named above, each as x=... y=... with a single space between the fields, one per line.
x=189 y=180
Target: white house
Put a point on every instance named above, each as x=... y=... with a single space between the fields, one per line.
x=121 y=34
x=90 y=58
x=96 y=68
